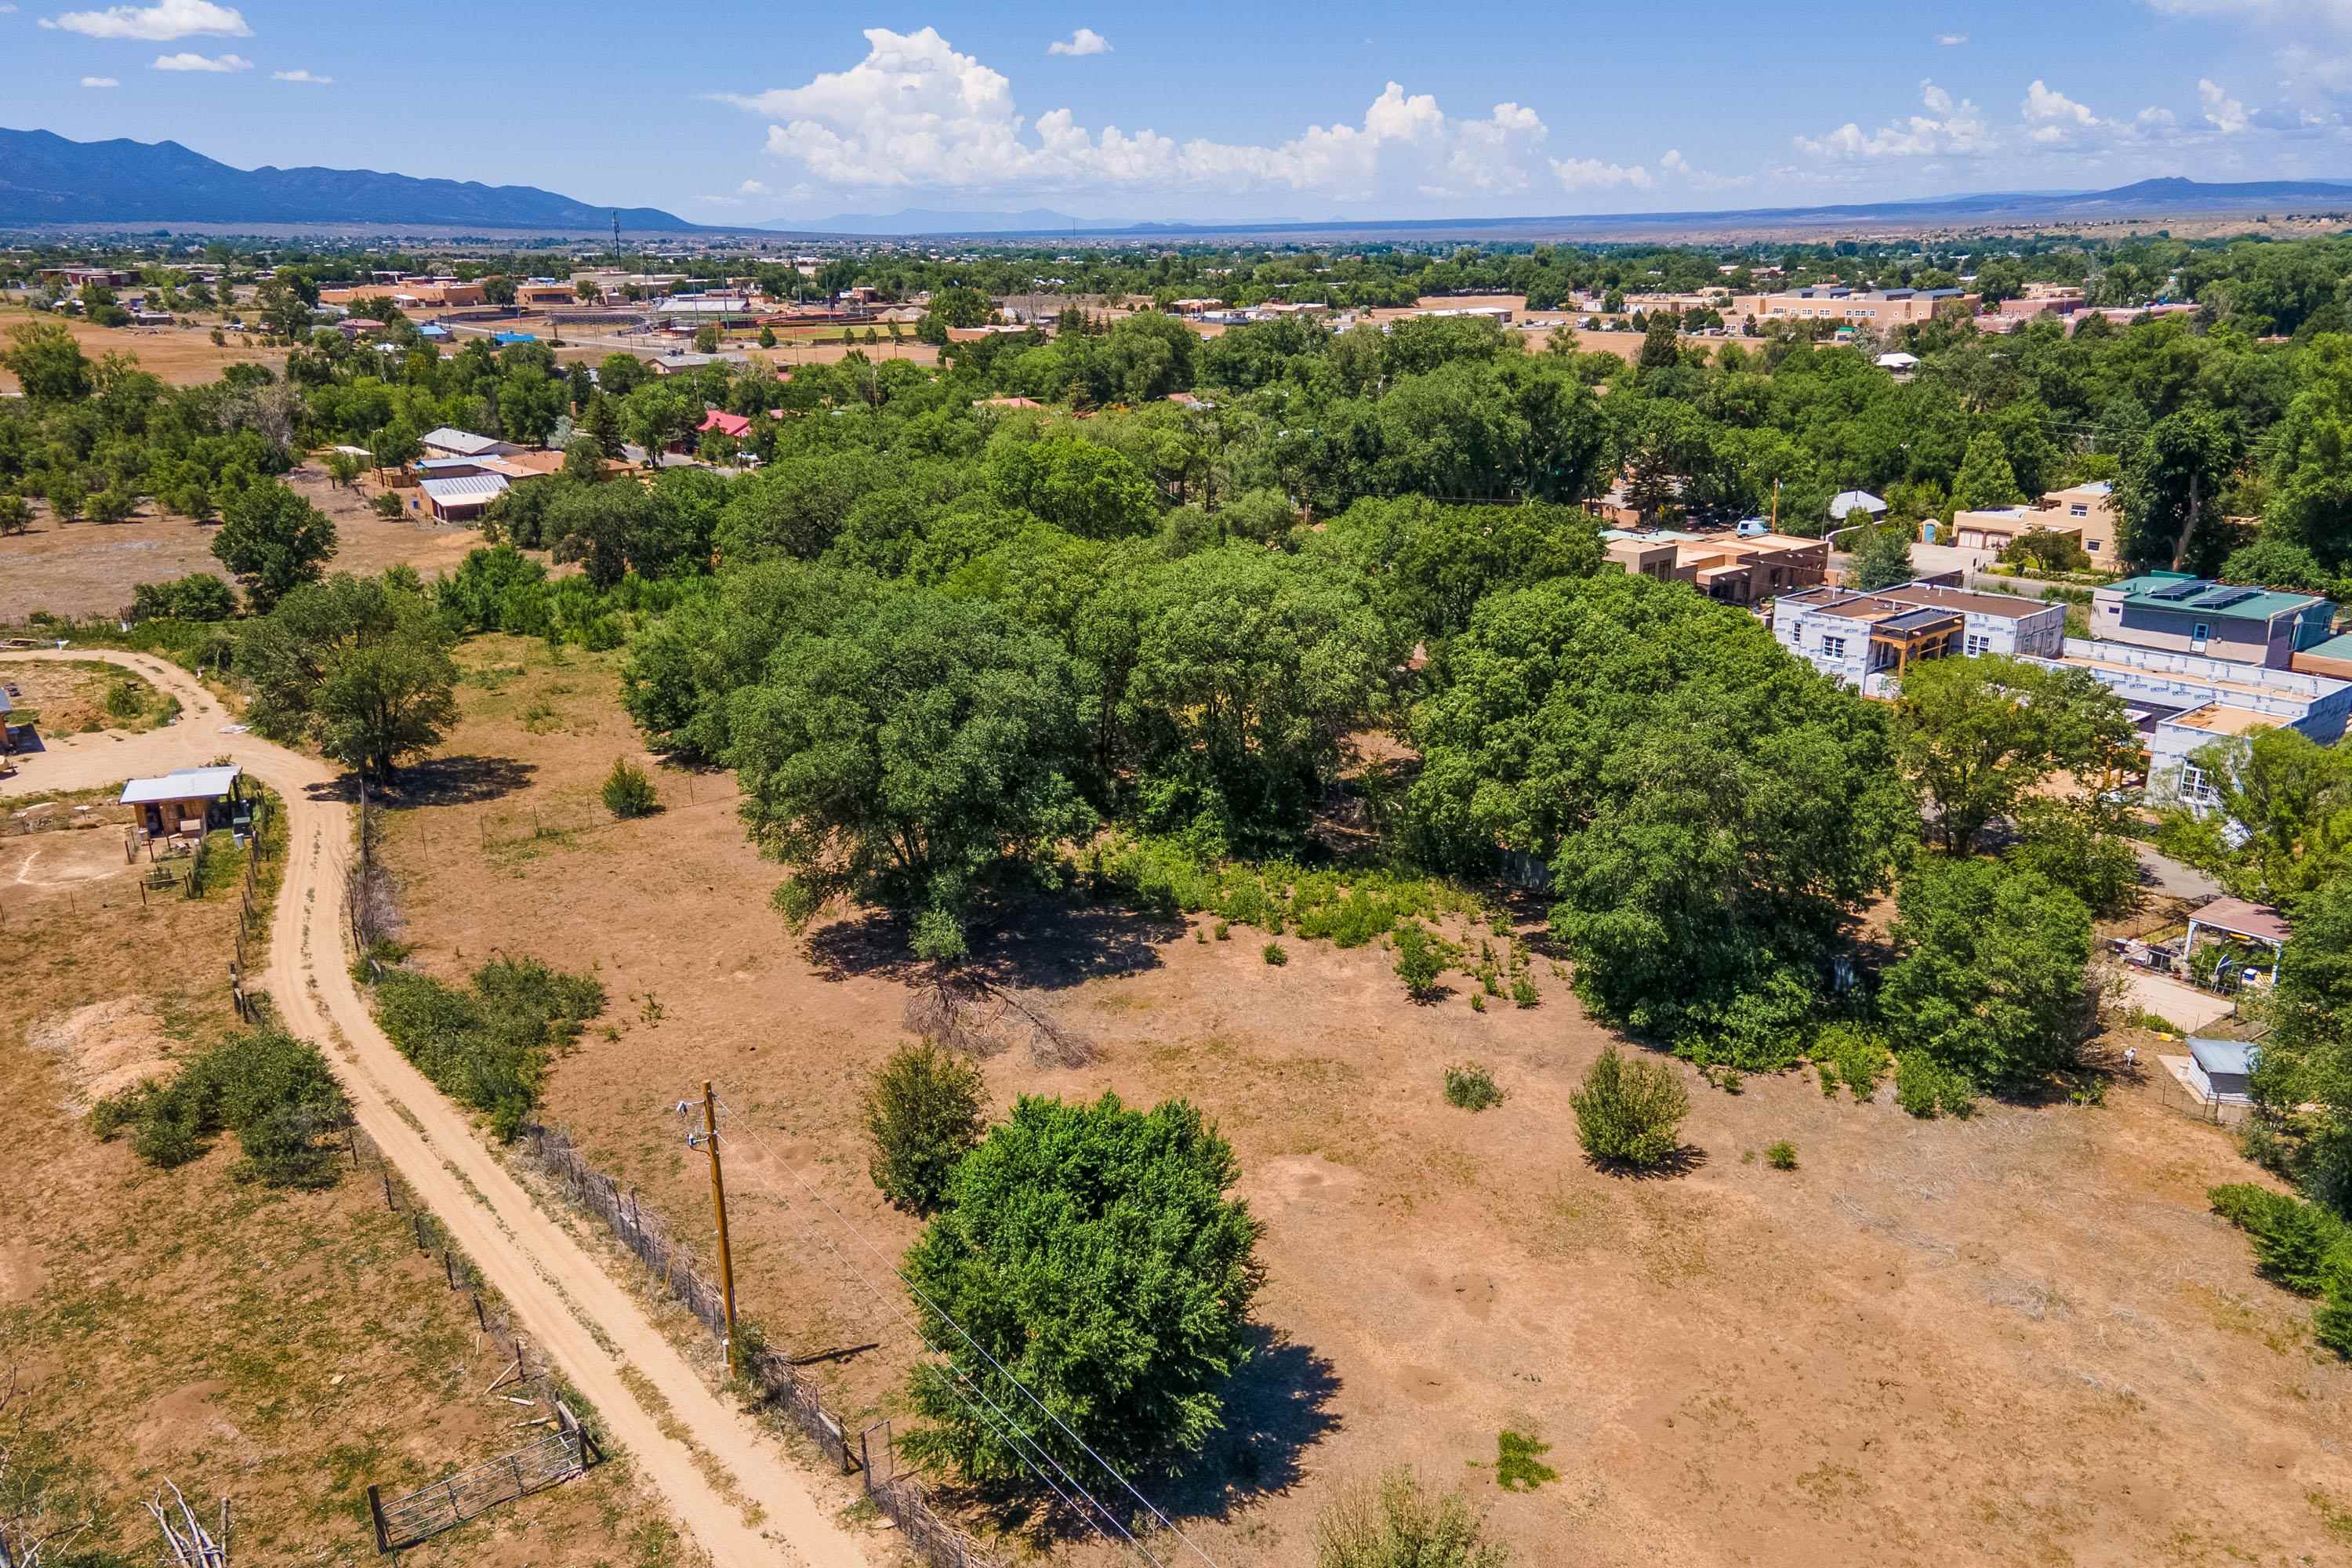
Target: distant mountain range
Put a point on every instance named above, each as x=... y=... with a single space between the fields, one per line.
x=915 y=221
x=2155 y=198
x=45 y=178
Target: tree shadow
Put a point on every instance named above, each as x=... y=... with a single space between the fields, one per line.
x=1040 y=943
x=457 y=781
x=1684 y=1159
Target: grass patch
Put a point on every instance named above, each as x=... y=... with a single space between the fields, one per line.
x=1782 y=1156
x=1351 y=906
x=1470 y=1087
x=1519 y=1463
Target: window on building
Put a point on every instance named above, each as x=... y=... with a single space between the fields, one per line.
x=2091 y=546
x=1834 y=647
x=2201 y=632
x=2079 y=508
x=2196 y=787
x=1978 y=643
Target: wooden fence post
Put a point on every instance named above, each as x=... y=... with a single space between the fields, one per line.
x=375 y=1512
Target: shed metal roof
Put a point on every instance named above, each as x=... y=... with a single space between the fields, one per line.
x=187 y=783
x=463 y=442
x=2237 y=1056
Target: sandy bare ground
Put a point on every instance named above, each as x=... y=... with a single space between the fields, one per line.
x=2019 y=1339
x=727 y=1482
x=181 y=355
x=79 y=569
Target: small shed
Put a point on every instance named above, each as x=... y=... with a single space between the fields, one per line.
x=445 y=442
x=2223 y=1070
x=1847 y=503
x=186 y=802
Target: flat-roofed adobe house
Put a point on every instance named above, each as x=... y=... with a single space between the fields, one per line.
x=188 y=803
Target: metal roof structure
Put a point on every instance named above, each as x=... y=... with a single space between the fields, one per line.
x=1846 y=501
x=465 y=443
x=2173 y=591
x=186 y=784
x=474 y=490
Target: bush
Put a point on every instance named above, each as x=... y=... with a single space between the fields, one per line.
x=198 y=596
x=1851 y=1055
x=1420 y=961
x=1394 y=1527
x=1630 y=1112
x=487 y=1045
x=1471 y=1088
x=126 y=699
x=274 y=1091
x=628 y=792
x=1923 y=1087
x=922 y=1116
x=1518 y=1464
x=1782 y=1156
x=2301 y=1245
x=1276 y=954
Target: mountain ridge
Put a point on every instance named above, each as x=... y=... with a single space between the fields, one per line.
x=46 y=178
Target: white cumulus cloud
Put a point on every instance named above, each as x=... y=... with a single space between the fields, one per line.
x=303 y=76
x=915 y=113
x=1586 y=174
x=2052 y=118
x=2222 y=112
x=157 y=23
x=752 y=188
x=99 y=81
x=1950 y=40
x=185 y=62
x=1085 y=42
x=1950 y=126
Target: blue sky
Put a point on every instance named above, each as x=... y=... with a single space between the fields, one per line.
x=733 y=112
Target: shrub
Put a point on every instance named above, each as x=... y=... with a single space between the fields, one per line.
x=1630 y=1112
x=1470 y=1087
x=198 y=596
x=1523 y=991
x=1275 y=955
x=1419 y=962
x=628 y=792
x=1851 y=1055
x=487 y=1045
x=1395 y=1527
x=126 y=699
x=922 y=1116
x=2301 y=1245
x=385 y=505
x=1782 y=1156
x=274 y=1091
x=1225 y=931
x=1923 y=1087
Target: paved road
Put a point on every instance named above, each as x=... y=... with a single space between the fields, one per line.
x=718 y=1467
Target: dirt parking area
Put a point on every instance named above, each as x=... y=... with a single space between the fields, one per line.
x=2017 y=1339
x=81 y=569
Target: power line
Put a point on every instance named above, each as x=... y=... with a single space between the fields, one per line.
x=1021 y=1443
x=941 y=1313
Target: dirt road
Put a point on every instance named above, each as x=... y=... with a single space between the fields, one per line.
x=730 y=1484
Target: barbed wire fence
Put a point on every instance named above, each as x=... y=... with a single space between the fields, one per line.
x=901 y=1497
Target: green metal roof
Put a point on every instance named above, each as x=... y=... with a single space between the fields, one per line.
x=2338 y=646
x=2256 y=603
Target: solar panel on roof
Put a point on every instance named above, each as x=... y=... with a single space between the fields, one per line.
x=2229 y=596
x=2189 y=589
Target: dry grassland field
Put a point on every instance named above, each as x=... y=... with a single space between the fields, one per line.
x=284 y=1348
x=2017 y=1339
x=183 y=355
x=79 y=569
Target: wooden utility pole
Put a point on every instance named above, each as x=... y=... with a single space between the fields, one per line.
x=718 y=1202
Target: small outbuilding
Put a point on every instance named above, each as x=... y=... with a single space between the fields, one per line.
x=461 y=500
x=2223 y=1070
x=188 y=803
x=1847 y=503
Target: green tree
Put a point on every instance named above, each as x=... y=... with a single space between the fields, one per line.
x=957 y=306
x=707 y=337
x=2277 y=823
x=1712 y=812
x=1977 y=734
x=2306 y=1059
x=48 y=363
x=905 y=757
x=355 y=665
x=1882 y=559
x=1991 y=981
x=273 y=542
x=1985 y=478
x=923 y=1115
x=1092 y=1253
x=2170 y=479
x=2310 y=472
x=1089 y=489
